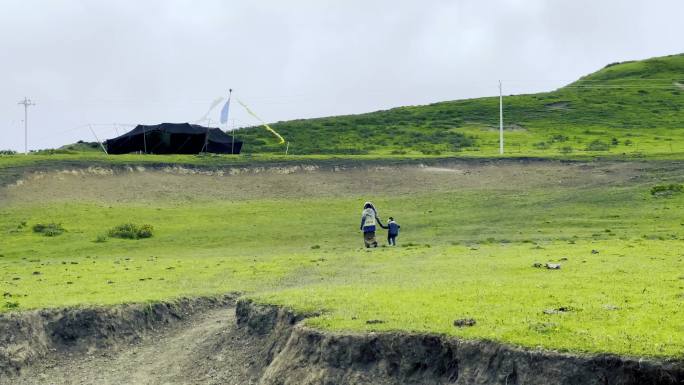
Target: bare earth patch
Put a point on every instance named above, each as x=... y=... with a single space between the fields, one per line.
x=205 y=349
x=181 y=184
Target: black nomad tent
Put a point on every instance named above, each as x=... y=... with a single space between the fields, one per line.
x=174 y=138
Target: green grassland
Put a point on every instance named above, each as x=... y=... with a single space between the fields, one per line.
x=472 y=228
x=471 y=233
x=626 y=108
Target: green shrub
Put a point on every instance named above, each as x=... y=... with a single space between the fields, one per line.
x=7 y=152
x=558 y=138
x=565 y=150
x=48 y=230
x=541 y=146
x=666 y=190
x=11 y=305
x=459 y=141
x=131 y=231
x=101 y=238
x=597 y=145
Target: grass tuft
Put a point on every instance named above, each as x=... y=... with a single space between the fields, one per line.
x=49 y=229
x=131 y=231
x=666 y=190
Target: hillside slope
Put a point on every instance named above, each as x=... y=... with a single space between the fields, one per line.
x=627 y=107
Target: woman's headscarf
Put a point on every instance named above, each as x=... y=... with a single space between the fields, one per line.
x=369 y=205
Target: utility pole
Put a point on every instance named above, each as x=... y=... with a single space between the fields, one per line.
x=501 y=139
x=26 y=103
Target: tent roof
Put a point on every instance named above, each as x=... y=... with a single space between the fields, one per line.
x=215 y=134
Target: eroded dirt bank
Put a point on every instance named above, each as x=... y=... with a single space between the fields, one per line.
x=37 y=336
x=211 y=342
x=310 y=356
x=124 y=184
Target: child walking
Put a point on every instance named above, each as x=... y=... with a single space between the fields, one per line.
x=392 y=232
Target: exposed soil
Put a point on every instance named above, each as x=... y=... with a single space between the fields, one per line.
x=129 y=184
x=267 y=345
x=315 y=357
x=205 y=349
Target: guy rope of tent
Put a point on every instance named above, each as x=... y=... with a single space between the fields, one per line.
x=282 y=140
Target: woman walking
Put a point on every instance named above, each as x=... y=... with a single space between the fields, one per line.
x=369 y=219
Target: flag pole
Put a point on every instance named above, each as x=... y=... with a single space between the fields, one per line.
x=145 y=139
x=232 y=134
x=206 y=135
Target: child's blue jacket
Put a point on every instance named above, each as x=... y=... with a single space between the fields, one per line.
x=393 y=227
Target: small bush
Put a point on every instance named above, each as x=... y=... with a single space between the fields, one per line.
x=666 y=190
x=131 y=231
x=8 y=152
x=398 y=152
x=597 y=145
x=628 y=142
x=614 y=141
x=558 y=138
x=48 y=230
x=11 y=305
x=565 y=150
x=541 y=146
x=101 y=238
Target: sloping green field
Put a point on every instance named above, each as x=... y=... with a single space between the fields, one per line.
x=631 y=108
x=471 y=234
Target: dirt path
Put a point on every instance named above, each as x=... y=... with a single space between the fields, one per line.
x=207 y=349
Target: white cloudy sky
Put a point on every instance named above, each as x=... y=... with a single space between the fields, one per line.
x=151 y=61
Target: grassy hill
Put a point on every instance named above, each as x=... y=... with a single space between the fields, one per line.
x=628 y=107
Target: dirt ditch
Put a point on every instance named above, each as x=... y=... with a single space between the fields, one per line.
x=218 y=341
x=29 y=337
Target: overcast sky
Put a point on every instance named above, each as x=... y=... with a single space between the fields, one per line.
x=134 y=61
